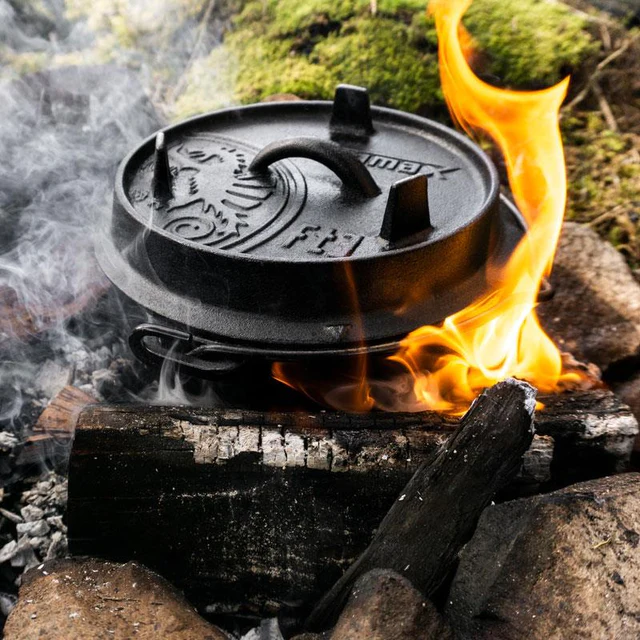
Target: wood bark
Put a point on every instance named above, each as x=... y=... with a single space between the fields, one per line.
x=259 y=512
x=437 y=511
x=48 y=444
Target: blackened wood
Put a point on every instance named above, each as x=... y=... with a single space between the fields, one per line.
x=267 y=510
x=436 y=513
x=594 y=430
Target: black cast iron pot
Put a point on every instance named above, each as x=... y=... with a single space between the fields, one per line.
x=299 y=229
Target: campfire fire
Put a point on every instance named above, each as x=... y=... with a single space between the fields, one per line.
x=498 y=335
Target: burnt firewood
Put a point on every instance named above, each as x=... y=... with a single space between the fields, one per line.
x=48 y=444
x=593 y=430
x=258 y=512
x=437 y=511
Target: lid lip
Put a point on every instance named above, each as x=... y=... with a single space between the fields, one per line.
x=224 y=324
x=400 y=117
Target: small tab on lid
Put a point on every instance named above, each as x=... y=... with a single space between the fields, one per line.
x=407 y=210
x=162 y=180
x=351 y=115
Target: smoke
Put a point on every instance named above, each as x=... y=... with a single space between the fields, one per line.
x=62 y=134
x=80 y=85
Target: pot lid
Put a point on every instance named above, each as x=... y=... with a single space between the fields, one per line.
x=308 y=183
x=306 y=226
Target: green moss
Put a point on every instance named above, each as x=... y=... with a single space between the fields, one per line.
x=263 y=65
x=288 y=17
x=530 y=43
x=261 y=72
x=306 y=47
x=603 y=180
x=407 y=80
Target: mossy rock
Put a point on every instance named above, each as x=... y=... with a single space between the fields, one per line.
x=531 y=43
x=306 y=47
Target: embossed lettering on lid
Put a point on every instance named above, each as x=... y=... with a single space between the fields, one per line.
x=311 y=188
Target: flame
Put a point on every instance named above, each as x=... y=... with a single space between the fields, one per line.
x=499 y=335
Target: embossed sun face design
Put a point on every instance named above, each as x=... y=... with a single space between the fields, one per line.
x=213 y=196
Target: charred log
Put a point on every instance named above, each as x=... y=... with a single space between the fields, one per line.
x=437 y=511
x=272 y=508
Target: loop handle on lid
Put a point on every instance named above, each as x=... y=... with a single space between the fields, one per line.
x=344 y=163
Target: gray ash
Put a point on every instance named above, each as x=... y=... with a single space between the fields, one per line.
x=32 y=530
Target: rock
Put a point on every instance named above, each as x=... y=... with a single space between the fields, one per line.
x=8 y=441
x=34 y=529
x=629 y=392
x=269 y=629
x=90 y=598
x=9 y=515
x=282 y=97
x=23 y=555
x=8 y=551
x=595 y=313
x=57 y=547
x=7 y=602
x=384 y=605
x=30 y=513
x=9 y=445
x=561 y=565
x=57 y=523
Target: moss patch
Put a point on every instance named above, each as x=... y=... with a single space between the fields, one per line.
x=306 y=47
x=530 y=44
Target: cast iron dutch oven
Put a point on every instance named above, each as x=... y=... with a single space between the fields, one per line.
x=299 y=229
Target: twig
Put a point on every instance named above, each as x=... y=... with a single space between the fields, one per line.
x=374 y=7
x=605 y=36
x=607 y=215
x=604 y=106
x=618 y=52
x=599 y=18
x=598 y=71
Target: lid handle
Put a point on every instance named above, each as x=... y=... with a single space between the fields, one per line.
x=344 y=163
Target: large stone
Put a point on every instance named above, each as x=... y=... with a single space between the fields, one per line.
x=629 y=392
x=384 y=605
x=561 y=565
x=94 y=599
x=595 y=313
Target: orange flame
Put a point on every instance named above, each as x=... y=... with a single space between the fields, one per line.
x=499 y=335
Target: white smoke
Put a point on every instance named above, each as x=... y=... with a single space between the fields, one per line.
x=65 y=125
